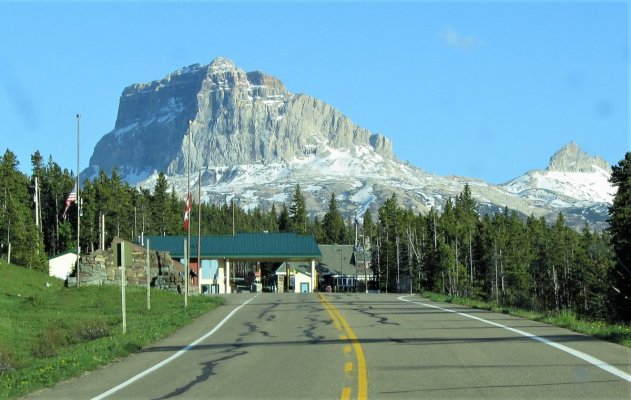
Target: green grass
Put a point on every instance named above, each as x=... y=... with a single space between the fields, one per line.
x=49 y=333
x=615 y=333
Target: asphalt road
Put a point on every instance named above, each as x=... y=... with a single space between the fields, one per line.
x=378 y=346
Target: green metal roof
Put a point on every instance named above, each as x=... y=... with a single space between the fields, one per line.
x=243 y=246
x=338 y=258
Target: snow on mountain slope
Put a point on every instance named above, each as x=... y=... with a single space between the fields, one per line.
x=549 y=186
x=361 y=179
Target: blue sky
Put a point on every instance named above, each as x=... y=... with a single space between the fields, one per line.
x=478 y=89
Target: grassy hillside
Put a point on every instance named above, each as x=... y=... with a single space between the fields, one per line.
x=49 y=333
x=615 y=333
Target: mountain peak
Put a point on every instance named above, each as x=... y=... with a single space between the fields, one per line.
x=239 y=118
x=570 y=158
x=221 y=65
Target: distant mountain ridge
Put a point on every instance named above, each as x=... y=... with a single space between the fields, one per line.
x=253 y=141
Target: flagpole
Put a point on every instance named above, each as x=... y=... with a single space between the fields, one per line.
x=78 y=202
x=188 y=194
x=199 y=229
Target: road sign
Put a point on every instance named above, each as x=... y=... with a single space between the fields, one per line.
x=124 y=255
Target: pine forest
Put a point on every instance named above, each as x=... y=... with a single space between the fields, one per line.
x=500 y=257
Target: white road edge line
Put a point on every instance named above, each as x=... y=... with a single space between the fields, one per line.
x=583 y=356
x=173 y=357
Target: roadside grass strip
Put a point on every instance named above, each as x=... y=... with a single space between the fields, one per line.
x=174 y=356
x=579 y=354
x=342 y=324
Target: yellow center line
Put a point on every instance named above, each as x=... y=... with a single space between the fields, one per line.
x=346 y=393
x=347 y=349
x=362 y=379
x=348 y=367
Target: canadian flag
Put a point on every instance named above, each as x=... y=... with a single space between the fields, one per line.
x=187 y=211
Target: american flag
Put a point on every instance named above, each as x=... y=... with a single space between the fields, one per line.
x=72 y=197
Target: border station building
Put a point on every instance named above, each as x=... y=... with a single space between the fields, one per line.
x=217 y=254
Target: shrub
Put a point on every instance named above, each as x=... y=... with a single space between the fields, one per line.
x=49 y=342
x=7 y=361
x=89 y=330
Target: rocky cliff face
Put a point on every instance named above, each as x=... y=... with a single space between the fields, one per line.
x=150 y=126
x=235 y=118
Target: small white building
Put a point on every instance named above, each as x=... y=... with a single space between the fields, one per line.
x=62 y=265
x=299 y=278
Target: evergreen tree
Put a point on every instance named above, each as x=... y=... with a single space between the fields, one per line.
x=499 y=224
x=317 y=230
x=90 y=223
x=17 y=225
x=55 y=187
x=159 y=206
x=430 y=255
x=466 y=223
x=271 y=224
x=368 y=228
x=601 y=266
x=483 y=251
x=541 y=290
x=122 y=211
x=592 y=261
x=390 y=245
x=284 y=224
x=36 y=182
x=453 y=270
x=620 y=229
x=515 y=262
x=174 y=214
x=334 y=227
x=298 y=213
x=141 y=202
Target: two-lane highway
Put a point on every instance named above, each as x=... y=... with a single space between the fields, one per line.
x=418 y=349
x=329 y=346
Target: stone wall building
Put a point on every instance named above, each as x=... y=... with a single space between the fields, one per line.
x=99 y=268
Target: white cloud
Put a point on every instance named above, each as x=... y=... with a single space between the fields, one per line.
x=454 y=39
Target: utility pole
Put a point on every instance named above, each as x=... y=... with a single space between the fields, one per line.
x=102 y=231
x=39 y=208
x=123 y=284
x=78 y=204
x=35 y=200
x=135 y=226
x=142 y=233
x=148 y=274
